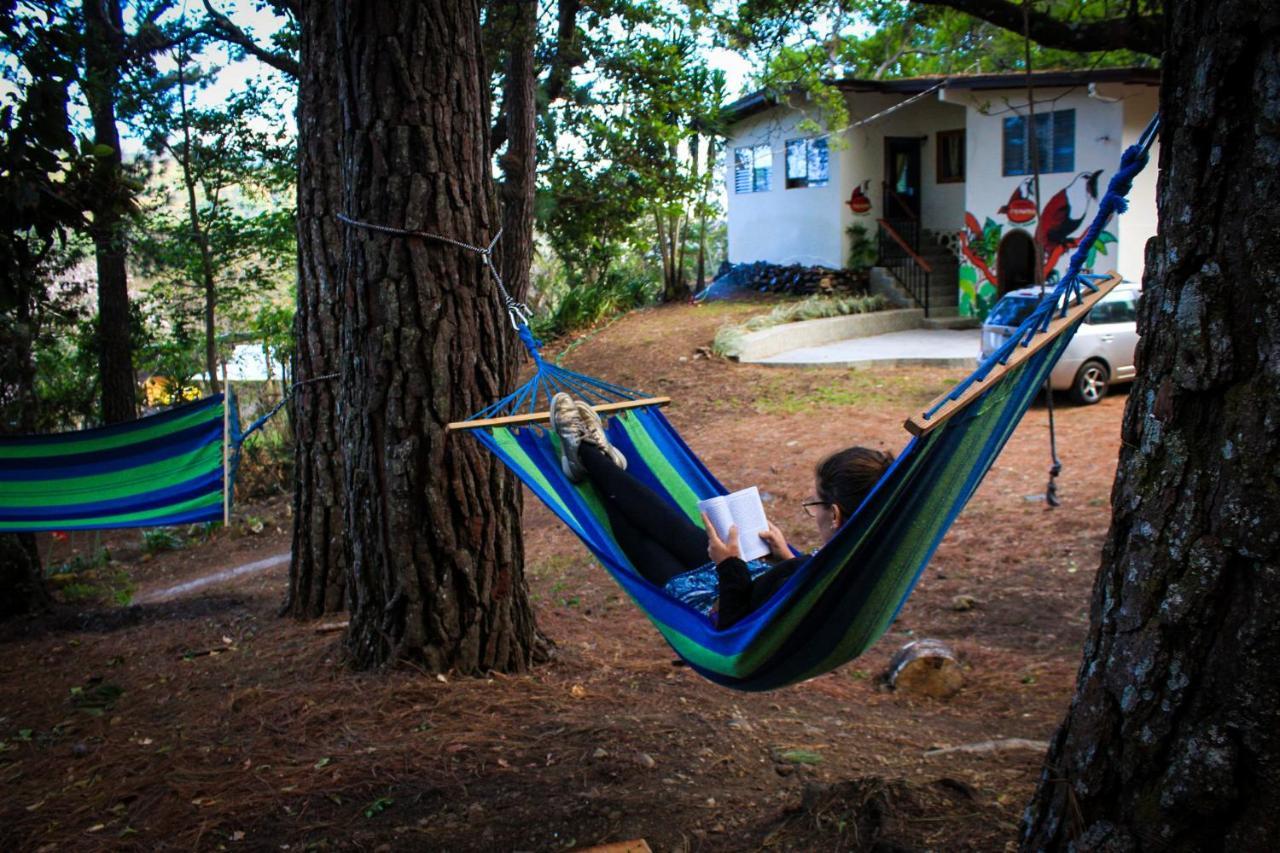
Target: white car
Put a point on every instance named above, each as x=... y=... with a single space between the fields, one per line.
x=1101 y=352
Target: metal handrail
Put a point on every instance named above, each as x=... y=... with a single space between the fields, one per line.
x=911 y=270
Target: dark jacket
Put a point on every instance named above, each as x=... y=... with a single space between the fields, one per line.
x=740 y=596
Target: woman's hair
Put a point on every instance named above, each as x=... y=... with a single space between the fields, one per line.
x=846 y=476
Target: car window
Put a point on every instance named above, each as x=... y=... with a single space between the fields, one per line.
x=1012 y=310
x=1113 y=311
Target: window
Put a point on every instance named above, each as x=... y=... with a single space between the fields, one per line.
x=1055 y=143
x=751 y=168
x=1113 y=311
x=950 y=156
x=806 y=163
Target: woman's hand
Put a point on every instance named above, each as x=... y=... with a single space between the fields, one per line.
x=719 y=549
x=776 y=541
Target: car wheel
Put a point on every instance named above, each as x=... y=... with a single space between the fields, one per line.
x=1090 y=384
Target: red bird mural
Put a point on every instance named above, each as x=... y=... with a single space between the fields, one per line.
x=858 y=201
x=1063 y=214
x=1020 y=208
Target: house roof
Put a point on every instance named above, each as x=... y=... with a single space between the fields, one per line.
x=762 y=100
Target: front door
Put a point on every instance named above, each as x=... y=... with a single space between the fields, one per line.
x=902 y=178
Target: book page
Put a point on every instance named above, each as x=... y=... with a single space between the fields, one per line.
x=748 y=513
x=744 y=509
x=717 y=510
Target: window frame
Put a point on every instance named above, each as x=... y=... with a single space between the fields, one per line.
x=1055 y=161
x=810 y=145
x=939 y=159
x=758 y=174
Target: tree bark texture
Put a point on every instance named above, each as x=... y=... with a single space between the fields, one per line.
x=519 y=161
x=1172 y=741
x=104 y=54
x=22 y=587
x=433 y=522
x=318 y=566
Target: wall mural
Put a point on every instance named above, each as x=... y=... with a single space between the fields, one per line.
x=858 y=201
x=1058 y=229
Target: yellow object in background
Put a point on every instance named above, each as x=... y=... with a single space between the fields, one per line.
x=163 y=391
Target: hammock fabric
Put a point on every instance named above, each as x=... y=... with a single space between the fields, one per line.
x=159 y=470
x=847 y=595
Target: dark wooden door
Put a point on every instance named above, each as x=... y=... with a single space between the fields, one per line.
x=902 y=178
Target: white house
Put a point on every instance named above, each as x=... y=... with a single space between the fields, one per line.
x=937 y=171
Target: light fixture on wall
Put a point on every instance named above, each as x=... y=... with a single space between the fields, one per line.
x=1093 y=93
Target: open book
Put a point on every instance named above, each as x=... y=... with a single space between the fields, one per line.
x=744 y=509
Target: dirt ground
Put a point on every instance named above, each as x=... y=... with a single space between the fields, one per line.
x=206 y=722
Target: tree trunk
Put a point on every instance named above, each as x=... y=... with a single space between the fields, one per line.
x=104 y=45
x=318 y=565
x=700 y=280
x=22 y=588
x=1171 y=741
x=432 y=520
x=519 y=162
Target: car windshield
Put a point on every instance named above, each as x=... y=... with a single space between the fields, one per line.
x=1012 y=310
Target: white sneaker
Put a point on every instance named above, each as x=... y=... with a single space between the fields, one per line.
x=566 y=420
x=593 y=431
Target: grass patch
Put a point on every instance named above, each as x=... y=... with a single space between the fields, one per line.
x=851 y=389
x=728 y=340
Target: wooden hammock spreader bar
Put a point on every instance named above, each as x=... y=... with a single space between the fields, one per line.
x=918 y=425
x=544 y=417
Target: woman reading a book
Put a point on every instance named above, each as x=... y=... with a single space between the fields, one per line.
x=695 y=565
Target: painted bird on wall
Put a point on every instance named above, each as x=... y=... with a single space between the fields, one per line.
x=858 y=201
x=1063 y=214
x=1020 y=207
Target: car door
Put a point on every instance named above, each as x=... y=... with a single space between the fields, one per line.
x=1116 y=328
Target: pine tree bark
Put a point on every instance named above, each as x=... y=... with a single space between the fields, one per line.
x=519 y=161
x=318 y=566
x=104 y=50
x=432 y=520
x=1171 y=741
x=22 y=587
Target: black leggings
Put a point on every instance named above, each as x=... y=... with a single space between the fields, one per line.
x=658 y=539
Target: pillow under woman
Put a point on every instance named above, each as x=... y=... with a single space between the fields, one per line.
x=691 y=564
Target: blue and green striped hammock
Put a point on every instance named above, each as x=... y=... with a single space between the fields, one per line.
x=176 y=467
x=847 y=595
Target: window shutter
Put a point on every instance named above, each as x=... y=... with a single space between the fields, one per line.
x=1064 y=141
x=742 y=170
x=763 y=165
x=1015 y=145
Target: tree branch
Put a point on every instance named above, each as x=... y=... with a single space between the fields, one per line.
x=225 y=29
x=1137 y=32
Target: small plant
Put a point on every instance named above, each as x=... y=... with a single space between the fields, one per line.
x=156 y=540
x=80 y=563
x=862 y=248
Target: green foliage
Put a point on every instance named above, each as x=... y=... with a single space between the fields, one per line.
x=80 y=563
x=806 y=47
x=728 y=340
x=156 y=540
x=43 y=180
x=625 y=154
x=218 y=235
x=862 y=247
x=570 y=307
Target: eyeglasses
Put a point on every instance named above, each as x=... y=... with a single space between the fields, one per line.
x=809 y=507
